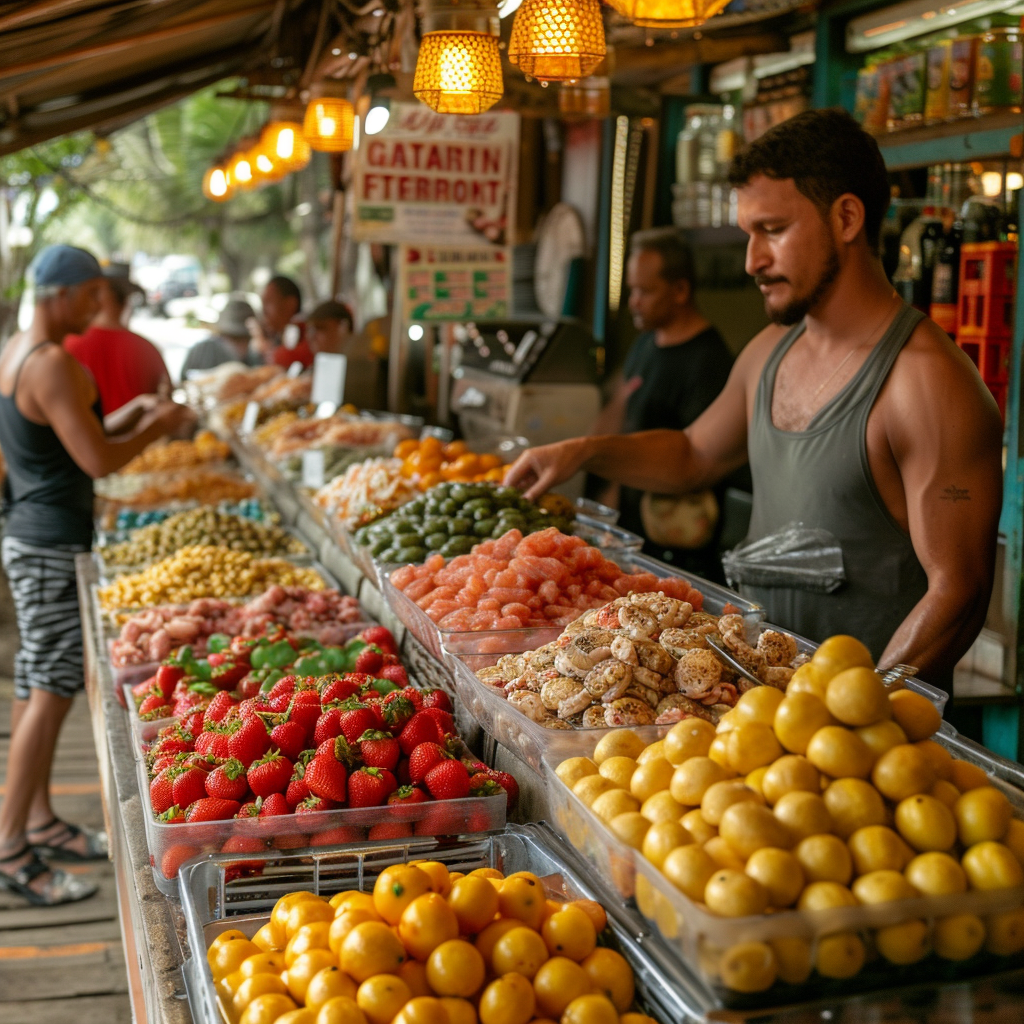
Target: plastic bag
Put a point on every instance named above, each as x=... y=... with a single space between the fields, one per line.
x=797 y=556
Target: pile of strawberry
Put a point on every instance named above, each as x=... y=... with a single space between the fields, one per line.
x=315 y=744
x=247 y=667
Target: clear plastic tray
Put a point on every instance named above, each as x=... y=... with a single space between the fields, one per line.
x=169 y=845
x=511 y=641
x=604 y=513
x=212 y=902
x=606 y=536
x=698 y=938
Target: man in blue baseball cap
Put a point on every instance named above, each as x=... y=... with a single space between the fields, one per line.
x=56 y=442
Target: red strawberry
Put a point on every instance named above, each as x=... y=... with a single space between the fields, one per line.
x=408 y=795
x=161 y=790
x=381 y=637
x=145 y=688
x=328 y=726
x=436 y=698
x=483 y=785
x=398 y=708
x=270 y=774
x=370 y=787
x=189 y=786
x=379 y=750
x=167 y=677
x=326 y=775
x=193 y=721
x=228 y=781
x=507 y=783
x=421 y=728
x=375 y=702
x=221 y=704
x=285 y=686
x=212 y=808
x=289 y=737
x=305 y=709
x=250 y=742
x=254 y=706
x=172 y=816
x=214 y=739
x=448 y=780
x=442 y=819
x=338 y=689
x=355 y=719
x=444 y=720
x=297 y=790
x=394 y=674
x=250 y=809
x=369 y=660
x=390 y=830
x=242 y=868
x=423 y=758
x=274 y=805
x=315 y=803
x=174 y=858
x=338 y=836
x=154 y=702
x=172 y=740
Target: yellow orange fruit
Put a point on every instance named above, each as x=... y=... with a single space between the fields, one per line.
x=747 y=827
x=804 y=814
x=936 y=874
x=915 y=714
x=557 y=984
x=425 y=923
x=752 y=745
x=721 y=795
x=571 y=770
x=590 y=1009
x=902 y=771
x=838 y=653
x=520 y=951
x=396 y=887
x=693 y=778
x=689 y=868
x=735 y=894
x=903 y=943
x=748 y=967
x=371 y=948
x=839 y=956
x=990 y=865
x=788 y=774
x=881 y=736
x=824 y=858
x=507 y=1000
x=611 y=975
x=455 y=968
x=522 y=899
x=691 y=737
x=878 y=848
x=925 y=823
x=475 y=903
x=853 y=804
x=569 y=933
x=857 y=697
x=958 y=937
x=798 y=717
x=779 y=872
x=982 y=814
x=883 y=887
x=840 y=753
x=620 y=743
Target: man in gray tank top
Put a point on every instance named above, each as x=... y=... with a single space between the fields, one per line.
x=858 y=415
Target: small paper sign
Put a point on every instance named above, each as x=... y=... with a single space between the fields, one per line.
x=329 y=378
x=251 y=417
x=295 y=369
x=325 y=410
x=313 y=468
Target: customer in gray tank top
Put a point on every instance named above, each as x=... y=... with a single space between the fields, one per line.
x=859 y=416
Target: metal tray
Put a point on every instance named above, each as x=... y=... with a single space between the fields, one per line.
x=212 y=903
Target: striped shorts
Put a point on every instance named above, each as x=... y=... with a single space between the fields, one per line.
x=45 y=595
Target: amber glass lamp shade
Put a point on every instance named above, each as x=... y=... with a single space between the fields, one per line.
x=240 y=171
x=669 y=13
x=285 y=144
x=216 y=185
x=329 y=124
x=557 y=40
x=458 y=72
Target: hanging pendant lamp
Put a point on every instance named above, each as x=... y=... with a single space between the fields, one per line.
x=329 y=124
x=216 y=185
x=283 y=141
x=458 y=70
x=557 y=40
x=669 y=13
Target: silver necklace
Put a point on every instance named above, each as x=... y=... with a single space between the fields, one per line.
x=846 y=359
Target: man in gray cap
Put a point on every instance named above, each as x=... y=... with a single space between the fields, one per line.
x=56 y=442
x=230 y=343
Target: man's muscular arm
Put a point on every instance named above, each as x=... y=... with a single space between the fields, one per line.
x=946 y=436
x=666 y=461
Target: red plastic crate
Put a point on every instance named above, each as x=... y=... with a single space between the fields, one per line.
x=990 y=355
x=985 y=316
x=988 y=268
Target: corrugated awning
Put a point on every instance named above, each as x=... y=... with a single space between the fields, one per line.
x=72 y=64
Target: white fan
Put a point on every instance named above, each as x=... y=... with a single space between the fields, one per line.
x=560 y=239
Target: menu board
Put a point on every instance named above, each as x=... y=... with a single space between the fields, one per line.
x=455 y=284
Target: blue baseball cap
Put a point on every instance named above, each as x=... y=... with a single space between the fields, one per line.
x=64 y=266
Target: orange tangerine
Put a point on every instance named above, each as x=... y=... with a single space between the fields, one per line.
x=475 y=902
x=426 y=923
x=396 y=887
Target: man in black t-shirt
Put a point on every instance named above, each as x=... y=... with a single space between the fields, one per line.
x=674 y=371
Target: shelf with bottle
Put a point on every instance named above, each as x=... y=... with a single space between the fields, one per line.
x=952 y=96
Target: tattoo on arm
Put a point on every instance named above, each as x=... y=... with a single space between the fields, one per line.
x=955 y=494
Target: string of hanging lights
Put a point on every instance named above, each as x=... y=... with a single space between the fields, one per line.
x=458 y=71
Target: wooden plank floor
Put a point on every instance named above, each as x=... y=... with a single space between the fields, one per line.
x=66 y=963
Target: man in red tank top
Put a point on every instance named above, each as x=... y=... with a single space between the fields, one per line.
x=123 y=364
